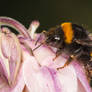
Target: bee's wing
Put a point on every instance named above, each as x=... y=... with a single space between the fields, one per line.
x=84 y=42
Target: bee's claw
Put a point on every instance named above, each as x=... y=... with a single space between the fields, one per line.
x=54 y=58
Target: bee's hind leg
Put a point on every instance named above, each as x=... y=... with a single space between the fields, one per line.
x=67 y=62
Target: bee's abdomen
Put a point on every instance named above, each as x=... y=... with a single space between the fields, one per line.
x=79 y=32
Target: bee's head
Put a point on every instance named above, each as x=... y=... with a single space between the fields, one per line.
x=54 y=37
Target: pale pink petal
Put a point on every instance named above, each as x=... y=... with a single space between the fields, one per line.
x=32 y=28
x=47 y=79
x=80 y=87
x=20 y=83
x=42 y=53
x=10 y=52
x=17 y=87
x=68 y=79
x=36 y=78
x=82 y=77
x=14 y=24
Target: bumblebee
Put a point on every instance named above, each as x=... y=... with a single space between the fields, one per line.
x=72 y=40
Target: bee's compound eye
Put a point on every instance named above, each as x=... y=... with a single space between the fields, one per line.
x=57 y=38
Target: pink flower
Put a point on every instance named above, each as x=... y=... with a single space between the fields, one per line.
x=24 y=71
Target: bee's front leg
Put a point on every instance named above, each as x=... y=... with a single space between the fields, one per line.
x=58 y=53
x=71 y=57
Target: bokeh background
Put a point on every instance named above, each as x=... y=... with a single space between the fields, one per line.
x=49 y=12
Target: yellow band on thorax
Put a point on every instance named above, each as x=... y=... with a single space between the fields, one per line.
x=91 y=54
x=68 y=32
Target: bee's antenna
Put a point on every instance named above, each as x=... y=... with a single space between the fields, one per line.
x=38 y=40
x=37 y=46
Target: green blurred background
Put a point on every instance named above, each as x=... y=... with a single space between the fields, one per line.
x=49 y=12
